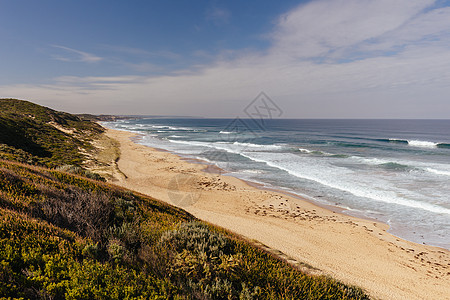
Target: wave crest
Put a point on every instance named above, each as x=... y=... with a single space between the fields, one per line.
x=417 y=143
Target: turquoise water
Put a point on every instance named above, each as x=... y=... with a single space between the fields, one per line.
x=395 y=171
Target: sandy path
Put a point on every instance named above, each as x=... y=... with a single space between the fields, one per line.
x=355 y=251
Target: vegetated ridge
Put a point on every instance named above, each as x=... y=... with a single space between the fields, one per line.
x=34 y=134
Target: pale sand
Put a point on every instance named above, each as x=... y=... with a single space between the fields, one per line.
x=355 y=251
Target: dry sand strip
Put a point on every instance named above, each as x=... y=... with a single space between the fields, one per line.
x=355 y=251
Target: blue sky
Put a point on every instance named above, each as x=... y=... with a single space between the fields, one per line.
x=315 y=59
x=142 y=37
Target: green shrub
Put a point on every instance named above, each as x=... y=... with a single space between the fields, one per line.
x=93 y=175
x=116 y=250
x=204 y=262
x=198 y=238
x=80 y=171
x=91 y=250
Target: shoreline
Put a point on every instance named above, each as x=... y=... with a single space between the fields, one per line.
x=354 y=250
x=213 y=169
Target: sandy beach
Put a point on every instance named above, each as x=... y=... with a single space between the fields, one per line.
x=316 y=239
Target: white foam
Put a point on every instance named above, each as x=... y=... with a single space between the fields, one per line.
x=305 y=150
x=205 y=144
x=370 y=161
x=438 y=172
x=192 y=143
x=316 y=152
x=422 y=144
x=204 y=158
x=382 y=161
x=181 y=128
x=251 y=171
x=343 y=179
x=172 y=128
x=416 y=143
x=236 y=147
x=259 y=146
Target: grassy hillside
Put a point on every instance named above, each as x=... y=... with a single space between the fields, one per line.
x=35 y=134
x=67 y=237
x=64 y=236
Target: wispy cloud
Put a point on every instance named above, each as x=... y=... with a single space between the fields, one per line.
x=138 y=52
x=74 y=55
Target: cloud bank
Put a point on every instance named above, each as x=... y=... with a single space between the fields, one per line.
x=327 y=59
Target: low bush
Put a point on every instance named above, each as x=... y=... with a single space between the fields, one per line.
x=80 y=171
x=88 y=214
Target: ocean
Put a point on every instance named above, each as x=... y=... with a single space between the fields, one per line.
x=394 y=171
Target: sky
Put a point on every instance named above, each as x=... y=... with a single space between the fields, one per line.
x=205 y=58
